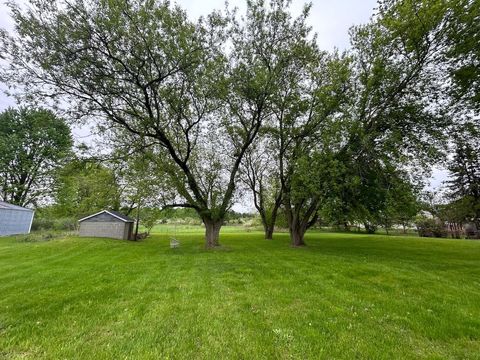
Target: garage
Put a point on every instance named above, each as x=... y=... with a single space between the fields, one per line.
x=107 y=224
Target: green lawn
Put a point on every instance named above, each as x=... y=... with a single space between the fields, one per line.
x=345 y=296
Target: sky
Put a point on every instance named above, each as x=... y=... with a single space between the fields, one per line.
x=330 y=19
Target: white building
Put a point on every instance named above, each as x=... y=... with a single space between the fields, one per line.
x=14 y=219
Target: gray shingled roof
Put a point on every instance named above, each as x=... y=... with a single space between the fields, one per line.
x=124 y=217
x=112 y=213
x=5 y=205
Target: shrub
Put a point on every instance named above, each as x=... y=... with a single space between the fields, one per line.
x=370 y=227
x=431 y=228
x=69 y=224
x=47 y=223
x=36 y=237
x=253 y=222
x=42 y=224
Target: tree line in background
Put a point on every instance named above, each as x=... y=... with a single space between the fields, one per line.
x=193 y=113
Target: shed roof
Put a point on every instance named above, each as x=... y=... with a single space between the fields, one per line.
x=5 y=205
x=116 y=214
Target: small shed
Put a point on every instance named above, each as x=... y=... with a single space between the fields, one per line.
x=15 y=219
x=107 y=223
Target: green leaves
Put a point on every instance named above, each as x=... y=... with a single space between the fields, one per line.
x=33 y=143
x=83 y=187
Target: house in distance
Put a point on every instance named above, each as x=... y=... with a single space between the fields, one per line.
x=107 y=223
x=15 y=219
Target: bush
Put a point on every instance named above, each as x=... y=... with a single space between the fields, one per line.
x=42 y=224
x=36 y=237
x=47 y=223
x=370 y=227
x=253 y=222
x=431 y=228
x=191 y=221
x=69 y=224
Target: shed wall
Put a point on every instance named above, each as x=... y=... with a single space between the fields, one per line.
x=112 y=229
x=14 y=222
x=128 y=232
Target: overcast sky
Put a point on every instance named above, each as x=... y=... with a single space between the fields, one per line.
x=330 y=19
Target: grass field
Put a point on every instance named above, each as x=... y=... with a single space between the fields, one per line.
x=344 y=296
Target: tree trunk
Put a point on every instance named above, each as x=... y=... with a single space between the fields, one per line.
x=212 y=232
x=296 y=234
x=269 y=231
x=135 y=236
x=299 y=223
x=369 y=228
x=268 y=225
x=297 y=231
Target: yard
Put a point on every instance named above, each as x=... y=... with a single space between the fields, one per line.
x=344 y=296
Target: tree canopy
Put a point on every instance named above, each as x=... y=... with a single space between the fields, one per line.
x=33 y=143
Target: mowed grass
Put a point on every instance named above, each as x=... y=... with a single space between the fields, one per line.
x=344 y=296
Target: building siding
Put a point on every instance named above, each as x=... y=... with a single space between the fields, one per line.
x=128 y=231
x=113 y=229
x=106 y=225
x=13 y=222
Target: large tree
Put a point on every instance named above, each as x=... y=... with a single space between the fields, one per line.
x=382 y=118
x=83 y=187
x=391 y=124
x=464 y=168
x=307 y=94
x=197 y=91
x=33 y=143
x=462 y=51
x=143 y=182
x=305 y=129
x=260 y=175
x=379 y=195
